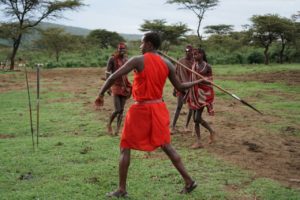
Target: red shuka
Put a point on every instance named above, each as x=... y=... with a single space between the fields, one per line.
x=146 y=125
x=201 y=95
x=121 y=86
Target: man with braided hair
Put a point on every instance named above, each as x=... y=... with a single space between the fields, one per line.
x=121 y=89
x=147 y=121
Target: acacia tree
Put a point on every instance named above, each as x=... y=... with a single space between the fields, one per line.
x=221 y=29
x=170 y=34
x=23 y=15
x=285 y=30
x=264 y=31
x=104 y=38
x=198 y=7
x=56 y=40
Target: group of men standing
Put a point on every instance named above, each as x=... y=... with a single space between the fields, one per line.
x=197 y=98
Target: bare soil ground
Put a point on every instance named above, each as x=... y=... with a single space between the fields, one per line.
x=242 y=138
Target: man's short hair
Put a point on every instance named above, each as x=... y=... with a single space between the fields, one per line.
x=154 y=38
x=121 y=45
x=188 y=48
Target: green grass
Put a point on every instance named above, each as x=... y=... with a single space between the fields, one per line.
x=77 y=160
x=61 y=170
x=236 y=69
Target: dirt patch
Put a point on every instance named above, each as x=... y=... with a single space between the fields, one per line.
x=289 y=77
x=241 y=138
x=4 y=136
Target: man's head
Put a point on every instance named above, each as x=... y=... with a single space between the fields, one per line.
x=189 y=51
x=150 y=41
x=199 y=54
x=121 y=48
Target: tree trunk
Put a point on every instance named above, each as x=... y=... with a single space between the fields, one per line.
x=14 y=51
x=266 y=53
x=198 y=29
x=282 y=50
x=57 y=56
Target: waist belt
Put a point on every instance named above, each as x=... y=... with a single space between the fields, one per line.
x=148 y=101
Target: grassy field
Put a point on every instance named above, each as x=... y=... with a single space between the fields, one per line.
x=76 y=159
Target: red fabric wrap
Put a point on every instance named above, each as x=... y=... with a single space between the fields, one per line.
x=121 y=86
x=146 y=125
x=201 y=95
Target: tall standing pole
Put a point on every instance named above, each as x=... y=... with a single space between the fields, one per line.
x=212 y=83
x=37 y=103
x=29 y=105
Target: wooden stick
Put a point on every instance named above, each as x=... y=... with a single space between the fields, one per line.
x=212 y=83
x=29 y=105
x=37 y=103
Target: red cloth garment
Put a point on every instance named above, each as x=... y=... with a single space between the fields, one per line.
x=201 y=95
x=146 y=125
x=183 y=74
x=121 y=86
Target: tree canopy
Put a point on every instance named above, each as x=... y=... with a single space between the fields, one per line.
x=170 y=34
x=23 y=15
x=221 y=29
x=56 y=40
x=269 y=28
x=104 y=38
x=198 y=7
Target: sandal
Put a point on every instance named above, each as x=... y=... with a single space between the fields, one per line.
x=189 y=189
x=117 y=194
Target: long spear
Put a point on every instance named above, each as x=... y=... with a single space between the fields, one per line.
x=29 y=104
x=212 y=83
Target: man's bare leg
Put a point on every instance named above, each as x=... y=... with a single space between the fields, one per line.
x=111 y=119
x=120 y=108
x=124 y=163
x=212 y=133
x=176 y=160
x=177 y=112
x=198 y=144
x=117 y=106
x=188 y=119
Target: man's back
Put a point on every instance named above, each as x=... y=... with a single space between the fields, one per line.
x=148 y=83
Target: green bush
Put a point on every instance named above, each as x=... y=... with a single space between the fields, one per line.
x=256 y=58
x=51 y=65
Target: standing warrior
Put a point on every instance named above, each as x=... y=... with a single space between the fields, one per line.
x=121 y=89
x=183 y=76
x=201 y=95
x=147 y=121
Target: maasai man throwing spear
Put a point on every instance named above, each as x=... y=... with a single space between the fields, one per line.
x=146 y=126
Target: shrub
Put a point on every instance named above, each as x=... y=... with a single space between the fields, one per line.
x=256 y=58
x=50 y=65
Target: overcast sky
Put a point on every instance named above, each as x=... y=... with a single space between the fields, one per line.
x=126 y=16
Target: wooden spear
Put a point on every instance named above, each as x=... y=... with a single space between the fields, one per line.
x=212 y=83
x=29 y=104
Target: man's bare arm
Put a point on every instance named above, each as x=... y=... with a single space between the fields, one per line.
x=133 y=63
x=175 y=82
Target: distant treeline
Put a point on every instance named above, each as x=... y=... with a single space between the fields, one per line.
x=58 y=46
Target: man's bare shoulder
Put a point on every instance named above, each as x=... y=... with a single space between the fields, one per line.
x=137 y=59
